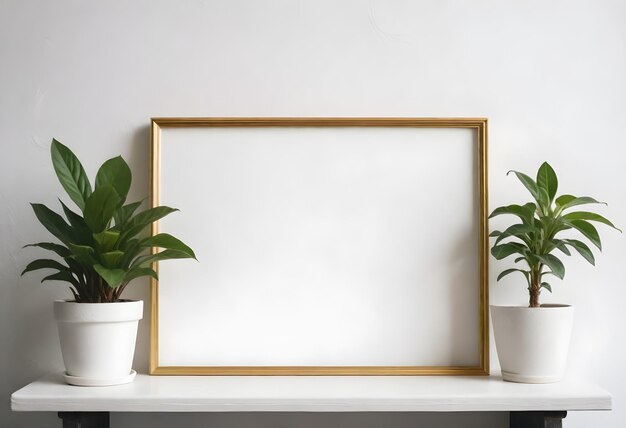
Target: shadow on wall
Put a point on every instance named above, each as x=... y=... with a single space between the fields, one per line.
x=139 y=161
x=464 y=296
x=464 y=301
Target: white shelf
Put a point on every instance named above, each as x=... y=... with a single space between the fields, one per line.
x=310 y=394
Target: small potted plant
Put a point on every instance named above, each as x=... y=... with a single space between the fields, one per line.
x=101 y=249
x=532 y=342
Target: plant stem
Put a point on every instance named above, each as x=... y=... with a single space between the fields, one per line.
x=535 y=288
x=534 y=297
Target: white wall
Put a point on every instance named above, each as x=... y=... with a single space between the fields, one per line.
x=548 y=75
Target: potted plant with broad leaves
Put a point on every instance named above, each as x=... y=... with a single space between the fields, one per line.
x=101 y=249
x=533 y=341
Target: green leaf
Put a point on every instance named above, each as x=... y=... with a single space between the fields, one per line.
x=44 y=264
x=588 y=230
x=54 y=223
x=115 y=173
x=544 y=199
x=144 y=219
x=100 y=207
x=584 y=215
x=167 y=241
x=61 y=276
x=553 y=263
x=84 y=254
x=546 y=286
x=163 y=255
x=582 y=249
x=81 y=232
x=111 y=259
x=530 y=184
x=131 y=250
x=519 y=259
x=76 y=267
x=59 y=249
x=139 y=272
x=521 y=231
x=74 y=219
x=525 y=212
x=505 y=250
x=71 y=173
x=546 y=179
x=495 y=233
x=567 y=201
x=113 y=277
x=106 y=240
x=509 y=271
x=561 y=246
x=123 y=214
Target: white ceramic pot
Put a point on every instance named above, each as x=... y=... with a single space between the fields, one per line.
x=98 y=341
x=532 y=343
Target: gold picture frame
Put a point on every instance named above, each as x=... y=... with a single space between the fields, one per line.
x=477 y=125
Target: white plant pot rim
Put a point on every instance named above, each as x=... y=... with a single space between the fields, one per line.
x=122 y=311
x=545 y=306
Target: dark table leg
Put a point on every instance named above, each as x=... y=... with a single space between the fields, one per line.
x=537 y=419
x=85 y=419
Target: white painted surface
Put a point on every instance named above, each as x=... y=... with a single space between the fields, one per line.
x=311 y=394
x=321 y=247
x=548 y=75
x=98 y=340
x=532 y=343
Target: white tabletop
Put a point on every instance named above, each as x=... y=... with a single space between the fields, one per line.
x=310 y=394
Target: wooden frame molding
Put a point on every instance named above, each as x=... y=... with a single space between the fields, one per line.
x=479 y=125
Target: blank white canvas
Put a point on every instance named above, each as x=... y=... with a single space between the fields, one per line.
x=334 y=246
